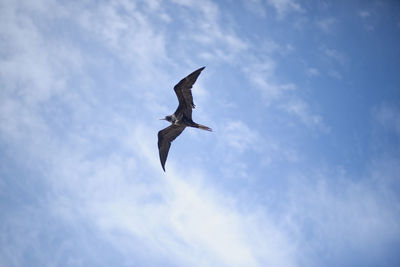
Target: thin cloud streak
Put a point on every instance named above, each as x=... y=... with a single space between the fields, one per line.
x=301 y=110
x=285 y=6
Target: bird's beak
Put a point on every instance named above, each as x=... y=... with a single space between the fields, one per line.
x=162 y=119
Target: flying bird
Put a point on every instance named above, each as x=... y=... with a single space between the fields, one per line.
x=182 y=116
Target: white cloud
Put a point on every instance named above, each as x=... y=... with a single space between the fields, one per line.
x=255 y=6
x=285 y=6
x=27 y=67
x=369 y=19
x=239 y=136
x=364 y=13
x=218 y=42
x=336 y=55
x=335 y=60
x=126 y=31
x=335 y=74
x=300 y=109
x=282 y=7
x=261 y=75
x=327 y=24
x=313 y=72
x=388 y=117
x=177 y=216
x=344 y=215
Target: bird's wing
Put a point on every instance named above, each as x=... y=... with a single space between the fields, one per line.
x=183 y=91
x=165 y=137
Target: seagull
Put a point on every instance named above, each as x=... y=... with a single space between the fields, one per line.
x=182 y=116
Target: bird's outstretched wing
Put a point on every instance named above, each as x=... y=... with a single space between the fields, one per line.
x=183 y=91
x=165 y=137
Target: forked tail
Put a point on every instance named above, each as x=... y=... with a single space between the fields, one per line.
x=203 y=127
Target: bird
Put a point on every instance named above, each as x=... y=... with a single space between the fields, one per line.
x=181 y=118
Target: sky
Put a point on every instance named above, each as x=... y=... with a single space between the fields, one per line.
x=302 y=167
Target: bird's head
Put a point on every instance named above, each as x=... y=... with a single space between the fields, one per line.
x=167 y=118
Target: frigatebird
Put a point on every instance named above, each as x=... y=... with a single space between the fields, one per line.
x=182 y=116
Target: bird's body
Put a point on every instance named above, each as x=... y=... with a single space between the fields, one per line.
x=182 y=116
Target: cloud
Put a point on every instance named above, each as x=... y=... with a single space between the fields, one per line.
x=217 y=41
x=261 y=75
x=127 y=31
x=343 y=214
x=336 y=60
x=313 y=72
x=388 y=117
x=368 y=17
x=178 y=217
x=335 y=74
x=282 y=95
x=285 y=6
x=239 y=136
x=300 y=109
x=255 y=6
x=282 y=7
x=327 y=24
x=177 y=227
x=175 y=223
x=29 y=58
x=364 y=13
x=335 y=55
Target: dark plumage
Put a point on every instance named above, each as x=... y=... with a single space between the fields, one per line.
x=181 y=118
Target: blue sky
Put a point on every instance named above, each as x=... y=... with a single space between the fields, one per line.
x=302 y=168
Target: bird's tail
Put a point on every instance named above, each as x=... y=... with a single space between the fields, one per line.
x=203 y=127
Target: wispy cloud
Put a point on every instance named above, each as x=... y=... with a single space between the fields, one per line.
x=301 y=110
x=335 y=74
x=164 y=215
x=364 y=13
x=127 y=31
x=282 y=7
x=388 y=117
x=261 y=75
x=255 y=6
x=313 y=72
x=337 y=62
x=368 y=17
x=327 y=24
x=240 y=136
x=218 y=42
x=335 y=55
x=26 y=70
x=367 y=212
x=285 y=6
